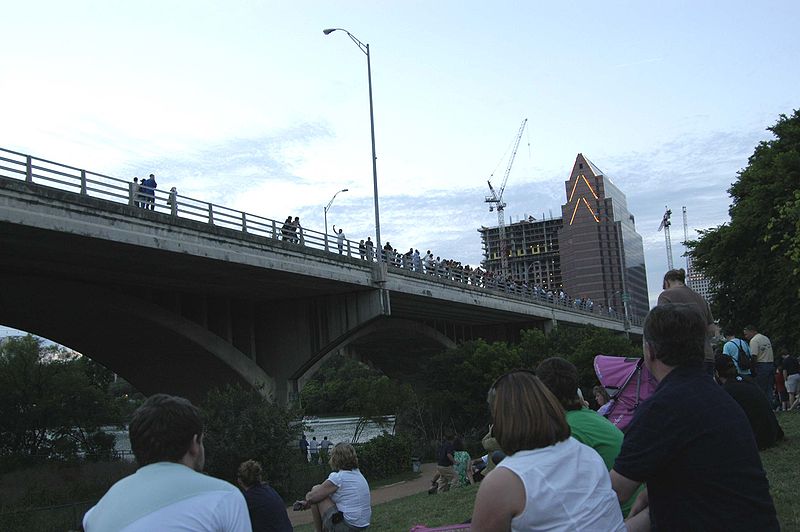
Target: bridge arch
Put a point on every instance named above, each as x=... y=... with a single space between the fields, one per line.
x=382 y=325
x=129 y=336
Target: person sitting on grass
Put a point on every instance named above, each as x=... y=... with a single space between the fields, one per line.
x=267 y=512
x=342 y=502
x=461 y=464
x=548 y=481
x=587 y=426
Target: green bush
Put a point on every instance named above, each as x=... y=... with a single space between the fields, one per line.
x=384 y=456
x=242 y=424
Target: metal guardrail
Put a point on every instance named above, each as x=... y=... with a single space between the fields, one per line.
x=20 y=166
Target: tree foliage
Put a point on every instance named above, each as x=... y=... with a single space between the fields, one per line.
x=52 y=402
x=452 y=386
x=242 y=424
x=753 y=261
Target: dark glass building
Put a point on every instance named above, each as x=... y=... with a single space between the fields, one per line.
x=592 y=251
x=602 y=255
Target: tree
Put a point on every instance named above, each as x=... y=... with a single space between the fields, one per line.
x=51 y=402
x=753 y=261
x=242 y=424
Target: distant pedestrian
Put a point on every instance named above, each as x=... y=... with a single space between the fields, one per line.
x=135 y=191
x=362 y=250
x=368 y=247
x=313 y=447
x=339 y=238
x=324 y=446
x=148 y=188
x=297 y=230
x=304 y=447
x=761 y=350
x=286 y=230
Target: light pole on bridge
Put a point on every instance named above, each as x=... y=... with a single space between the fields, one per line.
x=325 y=212
x=365 y=49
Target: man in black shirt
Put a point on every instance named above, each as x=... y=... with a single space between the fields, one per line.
x=754 y=403
x=690 y=442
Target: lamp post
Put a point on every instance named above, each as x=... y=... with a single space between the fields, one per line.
x=325 y=212
x=365 y=48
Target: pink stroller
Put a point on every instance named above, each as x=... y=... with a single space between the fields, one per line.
x=628 y=383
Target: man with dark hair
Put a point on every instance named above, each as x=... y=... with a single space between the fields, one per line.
x=731 y=349
x=761 y=348
x=168 y=491
x=588 y=427
x=755 y=405
x=690 y=442
x=444 y=465
x=676 y=291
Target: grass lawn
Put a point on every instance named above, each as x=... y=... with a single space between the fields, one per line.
x=782 y=464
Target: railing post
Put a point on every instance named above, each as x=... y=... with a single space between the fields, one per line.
x=348 y=249
x=274 y=230
x=131 y=194
x=210 y=214
x=244 y=222
x=28 y=169
x=83 y=182
x=173 y=206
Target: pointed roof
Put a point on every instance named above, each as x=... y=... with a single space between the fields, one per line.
x=594 y=168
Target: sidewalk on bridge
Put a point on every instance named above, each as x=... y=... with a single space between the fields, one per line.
x=398 y=490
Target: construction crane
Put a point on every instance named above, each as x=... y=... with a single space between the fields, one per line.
x=685 y=240
x=495 y=201
x=665 y=223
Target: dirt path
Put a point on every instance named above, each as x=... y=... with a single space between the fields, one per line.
x=380 y=495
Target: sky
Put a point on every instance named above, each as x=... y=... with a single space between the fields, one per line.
x=248 y=105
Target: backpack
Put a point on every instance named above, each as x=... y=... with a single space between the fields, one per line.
x=745 y=359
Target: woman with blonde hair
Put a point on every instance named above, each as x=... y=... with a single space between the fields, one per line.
x=549 y=481
x=342 y=502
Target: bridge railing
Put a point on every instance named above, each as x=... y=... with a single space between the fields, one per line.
x=31 y=169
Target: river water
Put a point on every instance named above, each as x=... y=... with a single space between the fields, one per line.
x=337 y=429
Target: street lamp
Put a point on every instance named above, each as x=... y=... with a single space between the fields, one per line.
x=325 y=211
x=365 y=48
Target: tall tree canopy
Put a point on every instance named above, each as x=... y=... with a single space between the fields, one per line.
x=753 y=261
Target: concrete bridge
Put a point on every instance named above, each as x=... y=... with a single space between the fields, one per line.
x=191 y=295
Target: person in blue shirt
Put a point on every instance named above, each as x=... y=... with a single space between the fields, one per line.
x=731 y=349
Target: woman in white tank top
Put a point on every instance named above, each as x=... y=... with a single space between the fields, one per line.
x=549 y=481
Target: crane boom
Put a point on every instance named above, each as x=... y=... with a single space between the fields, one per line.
x=665 y=223
x=496 y=202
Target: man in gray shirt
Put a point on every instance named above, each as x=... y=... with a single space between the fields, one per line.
x=676 y=291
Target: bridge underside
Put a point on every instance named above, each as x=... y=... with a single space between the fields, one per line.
x=176 y=306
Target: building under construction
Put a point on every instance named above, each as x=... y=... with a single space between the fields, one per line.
x=592 y=251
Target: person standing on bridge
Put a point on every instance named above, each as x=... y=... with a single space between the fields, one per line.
x=135 y=191
x=368 y=247
x=149 y=186
x=297 y=230
x=339 y=238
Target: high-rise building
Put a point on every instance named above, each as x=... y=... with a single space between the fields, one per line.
x=592 y=251
x=697 y=281
x=533 y=251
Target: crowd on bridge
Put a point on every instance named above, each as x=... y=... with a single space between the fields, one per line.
x=144 y=193
x=453 y=270
x=686 y=457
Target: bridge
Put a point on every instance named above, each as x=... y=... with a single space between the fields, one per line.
x=186 y=295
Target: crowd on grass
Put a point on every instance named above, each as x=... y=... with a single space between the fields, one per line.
x=685 y=456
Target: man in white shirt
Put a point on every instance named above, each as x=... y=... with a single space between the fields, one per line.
x=168 y=492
